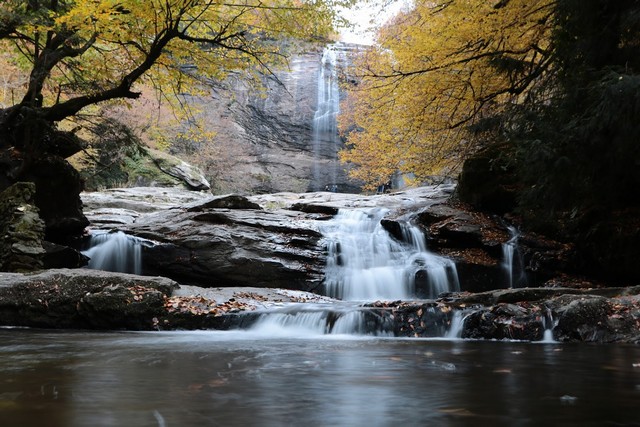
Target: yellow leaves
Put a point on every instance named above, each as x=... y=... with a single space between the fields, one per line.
x=174 y=44
x=437 y=68
x=198 y=306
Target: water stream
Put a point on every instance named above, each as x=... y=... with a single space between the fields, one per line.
x=115 y=251
x=312 y=320
x=242 y=378
x=365 y=263
x=325 y=138
x=512 y=261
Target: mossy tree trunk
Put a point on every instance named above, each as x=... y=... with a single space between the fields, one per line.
x=32 y=149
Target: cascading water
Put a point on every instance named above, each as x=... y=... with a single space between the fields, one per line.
x=512 y=262
x=316 y=319
x=115 y=251
x=365 y=263
x=457 y=324
x=325 y=138
x=548 y=322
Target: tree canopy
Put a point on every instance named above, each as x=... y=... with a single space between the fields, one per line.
x=83 y=52
x=80 y=53
x=438 y=75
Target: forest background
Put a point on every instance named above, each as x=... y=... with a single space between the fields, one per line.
x=535 y=103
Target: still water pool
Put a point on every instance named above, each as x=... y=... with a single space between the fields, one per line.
x=50 y=378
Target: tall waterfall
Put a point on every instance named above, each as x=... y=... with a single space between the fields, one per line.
x=115 y=252
x=365 y=263
x=325 y=139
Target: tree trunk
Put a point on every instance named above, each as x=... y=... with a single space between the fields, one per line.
x=34 y=150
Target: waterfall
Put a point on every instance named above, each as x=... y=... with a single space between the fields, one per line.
x=115 y=252
x=325 y=137
x=313 y=320
x=457 y=323
x=365 y=263
x=512 y=262
x=548 y=323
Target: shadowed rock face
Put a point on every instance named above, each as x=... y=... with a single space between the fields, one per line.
x=232 y=241
x=229 y=247
x=268 y=137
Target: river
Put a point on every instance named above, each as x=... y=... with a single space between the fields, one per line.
x=245 y=378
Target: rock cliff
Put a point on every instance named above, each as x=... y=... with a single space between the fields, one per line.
x=266 y=141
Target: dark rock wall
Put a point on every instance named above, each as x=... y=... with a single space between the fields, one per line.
x=21 y=229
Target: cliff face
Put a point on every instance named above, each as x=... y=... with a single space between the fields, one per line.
x=283 y=139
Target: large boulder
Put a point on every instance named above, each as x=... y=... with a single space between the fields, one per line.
x=89 y=299
x=82 y=298
x=190 y=175
x=215 y=247
x=478 y=243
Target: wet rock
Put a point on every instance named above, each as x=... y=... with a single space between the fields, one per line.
x=476 y=242
x=425 y=320
x=81 y=299
x=583 y=318
x=233 y=247
x=232 y=201
x=88 y=299
x=394 y=228
x=59 y=256
x=311 y=208
x=122 y=307
x=504 y=321
x=480 y=277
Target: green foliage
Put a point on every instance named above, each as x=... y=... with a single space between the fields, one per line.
x=575 y=158
x=577 y=150
x=103 y=163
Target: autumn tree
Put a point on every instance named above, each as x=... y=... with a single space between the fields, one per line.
x=79 y=53
x=437 y=81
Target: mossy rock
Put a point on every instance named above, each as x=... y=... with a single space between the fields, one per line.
x=139 y=166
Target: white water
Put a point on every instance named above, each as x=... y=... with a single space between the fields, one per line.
x=325 y=129
x=457 y=323
x=365 y=263
x=309 y=320
x=115 y=252
x=512 y=262
x=548 y=322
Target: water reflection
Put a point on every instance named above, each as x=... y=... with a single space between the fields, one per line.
x=236 y=378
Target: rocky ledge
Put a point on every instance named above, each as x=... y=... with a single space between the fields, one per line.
x=566 y=314
x=87 y=299
x=91 y=299
x=229 y=241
